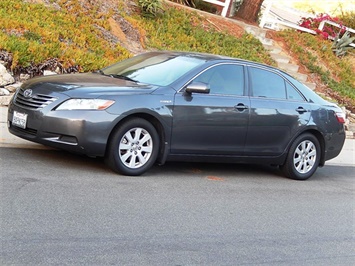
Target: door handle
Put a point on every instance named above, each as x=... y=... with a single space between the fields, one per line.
x=240 y=107
x=301 y=110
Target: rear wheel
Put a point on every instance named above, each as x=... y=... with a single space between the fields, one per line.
x=133 y=147
x=303 y=157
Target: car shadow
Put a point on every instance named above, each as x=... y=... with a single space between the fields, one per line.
x=57 y=160
x=217 y=169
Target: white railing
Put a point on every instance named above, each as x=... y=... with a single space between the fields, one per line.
x=322 y=24
x=270 y=23
x=224 y=4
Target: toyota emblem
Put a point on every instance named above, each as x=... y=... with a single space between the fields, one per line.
x=27 y=93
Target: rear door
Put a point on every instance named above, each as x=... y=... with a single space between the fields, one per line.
x=277 y=112
x=214 y=123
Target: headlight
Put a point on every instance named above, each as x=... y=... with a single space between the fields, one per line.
x=85 y=104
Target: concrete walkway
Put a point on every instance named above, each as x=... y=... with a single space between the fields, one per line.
x=346 y=157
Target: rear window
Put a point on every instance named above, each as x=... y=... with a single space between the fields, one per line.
x=310 y=95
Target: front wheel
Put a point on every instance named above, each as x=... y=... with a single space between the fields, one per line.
x=303 y=157
x=133 y=147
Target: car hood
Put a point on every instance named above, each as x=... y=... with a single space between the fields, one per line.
x=85 y=83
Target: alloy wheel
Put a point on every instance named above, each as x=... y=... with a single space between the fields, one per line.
x=305 y=156
x=135 y=147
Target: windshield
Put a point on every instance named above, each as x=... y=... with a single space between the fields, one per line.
x=154 y=68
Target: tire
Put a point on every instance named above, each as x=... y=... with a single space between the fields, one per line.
x=303 y=157
x=133 y=147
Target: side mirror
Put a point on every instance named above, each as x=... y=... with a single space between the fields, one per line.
x=197 y=87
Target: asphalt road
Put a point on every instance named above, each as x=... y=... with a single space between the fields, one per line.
x=63 y=209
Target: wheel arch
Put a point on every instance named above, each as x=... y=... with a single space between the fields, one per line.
x=158 y=125
x=320 y=139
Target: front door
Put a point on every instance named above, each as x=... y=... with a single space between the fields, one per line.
x=214 y=123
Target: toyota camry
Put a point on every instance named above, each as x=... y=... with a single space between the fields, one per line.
x=164 y=106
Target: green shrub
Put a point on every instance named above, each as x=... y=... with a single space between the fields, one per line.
x=191 y=3
x=71 y=37
x=348 y=19
x=198 y=4
x=151 y=7
x=341 y=45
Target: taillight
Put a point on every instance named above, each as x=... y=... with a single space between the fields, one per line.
x=340 y=117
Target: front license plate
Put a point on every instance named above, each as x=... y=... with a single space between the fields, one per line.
x=19 y=119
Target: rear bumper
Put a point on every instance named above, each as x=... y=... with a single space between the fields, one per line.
x=334 y=144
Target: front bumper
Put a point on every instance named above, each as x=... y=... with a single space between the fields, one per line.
x=84 y=132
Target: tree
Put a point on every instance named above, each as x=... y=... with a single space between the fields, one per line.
x=249 y=10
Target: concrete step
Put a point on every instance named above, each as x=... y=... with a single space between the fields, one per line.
x=310 y=85
x=256 y=31
x=300 y=77
x=289 y=68
x=260 y=34
x=265 y=41
x=272 y=49
x=280 y=58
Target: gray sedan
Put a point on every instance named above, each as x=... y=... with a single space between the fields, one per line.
x=161 y=106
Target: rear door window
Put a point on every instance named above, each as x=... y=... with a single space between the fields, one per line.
x=267 y=84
